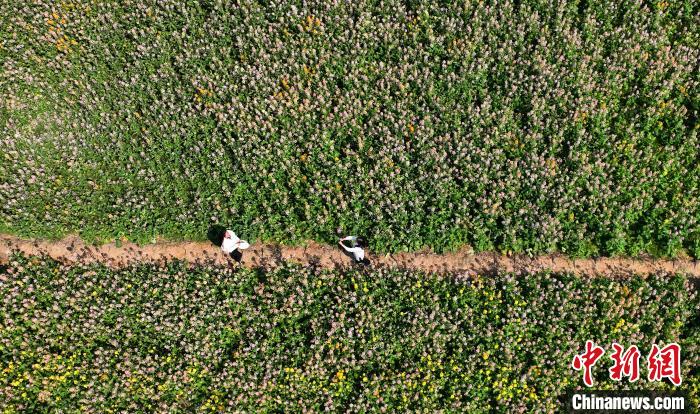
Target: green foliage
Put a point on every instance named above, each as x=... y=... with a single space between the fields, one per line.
x=203 y=339
x=510 y=126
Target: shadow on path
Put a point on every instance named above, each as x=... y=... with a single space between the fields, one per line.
x=215 y=234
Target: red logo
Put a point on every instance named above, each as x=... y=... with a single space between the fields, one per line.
x=626 y=363
x=665 y=363
x=586 y=361
x=661 y=363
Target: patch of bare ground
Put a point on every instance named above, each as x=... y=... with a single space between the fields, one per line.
x=73 y=250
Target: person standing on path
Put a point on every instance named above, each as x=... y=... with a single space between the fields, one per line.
x=356 y=249
x=233 y=246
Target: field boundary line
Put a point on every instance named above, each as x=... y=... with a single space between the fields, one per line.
x=72 y=249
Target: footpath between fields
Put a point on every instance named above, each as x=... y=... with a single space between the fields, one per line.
x=72 y=250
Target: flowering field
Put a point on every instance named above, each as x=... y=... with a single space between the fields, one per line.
x=168 y=339
x=520 y=126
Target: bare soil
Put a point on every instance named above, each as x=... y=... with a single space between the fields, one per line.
x=73 y=250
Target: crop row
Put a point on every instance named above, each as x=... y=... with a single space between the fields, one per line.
x=173 y=339
x=522 y=126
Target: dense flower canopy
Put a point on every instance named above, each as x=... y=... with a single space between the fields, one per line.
x=514 y=125
x=209 y=339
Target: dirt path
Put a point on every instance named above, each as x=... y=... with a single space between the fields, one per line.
x=72 y=249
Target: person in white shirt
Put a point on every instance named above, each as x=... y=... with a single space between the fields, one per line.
x=233 y=245
x=356 y=249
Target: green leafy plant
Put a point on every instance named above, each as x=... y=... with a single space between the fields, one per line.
x=183 y=338
x=506 y=126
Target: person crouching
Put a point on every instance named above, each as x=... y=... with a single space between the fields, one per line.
x=233 y=246
x=356 y=249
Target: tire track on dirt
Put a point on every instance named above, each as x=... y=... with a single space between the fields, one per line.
x=73 y=250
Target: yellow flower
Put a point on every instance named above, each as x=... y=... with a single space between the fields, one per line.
x=485 y=355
